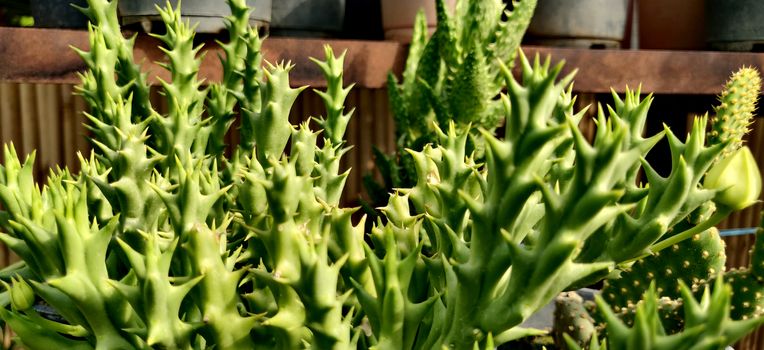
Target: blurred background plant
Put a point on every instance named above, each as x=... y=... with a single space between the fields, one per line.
x=15 y=13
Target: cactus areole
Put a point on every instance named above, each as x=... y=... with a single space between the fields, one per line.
x=166 y=241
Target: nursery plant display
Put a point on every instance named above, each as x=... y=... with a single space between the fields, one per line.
x=165 y=240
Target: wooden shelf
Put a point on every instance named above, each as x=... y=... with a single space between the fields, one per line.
x=45 y=56
x=660 y=72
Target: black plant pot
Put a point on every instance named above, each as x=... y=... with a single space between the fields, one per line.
x=312 y=18
x=735 y=25
x=207 y=14
x=58 y=13
x=579 y=23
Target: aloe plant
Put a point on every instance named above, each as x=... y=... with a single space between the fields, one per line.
x=165 y=241
x=452 y=76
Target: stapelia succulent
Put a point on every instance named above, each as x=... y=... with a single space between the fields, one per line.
x=150 y=246
x=697 y=260
x=165 y=240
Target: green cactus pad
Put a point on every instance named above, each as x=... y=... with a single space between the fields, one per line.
x=694 y=261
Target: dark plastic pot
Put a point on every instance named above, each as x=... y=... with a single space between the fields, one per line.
x=735 y=25
x=209 y=14
x=58 y=13
x=579 y=23
x=311 y=18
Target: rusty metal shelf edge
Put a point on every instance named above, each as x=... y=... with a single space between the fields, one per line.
x=45 y=56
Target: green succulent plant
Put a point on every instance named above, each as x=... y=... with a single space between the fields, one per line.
x=166 y=241
x=707 y=321
x=455 y=75
x=700 y=259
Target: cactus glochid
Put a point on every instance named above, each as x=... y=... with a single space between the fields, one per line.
x=165 y=240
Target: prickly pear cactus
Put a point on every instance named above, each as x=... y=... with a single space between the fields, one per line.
x=747 y=298
x=695 y=261
x=670 y=313
x=648 y=332
x=747 y=284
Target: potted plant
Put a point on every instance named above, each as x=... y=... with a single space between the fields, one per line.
x=735 y=26
x=587 y=23
x=164 y=240
x=209 y=15
x=308 y=17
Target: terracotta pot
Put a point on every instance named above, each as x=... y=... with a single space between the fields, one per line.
x=671 y=24
x=209 y=14
x=579 y=23
x=398 y=17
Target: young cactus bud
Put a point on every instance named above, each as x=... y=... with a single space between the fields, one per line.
x=737 y=178
x=22 y=296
